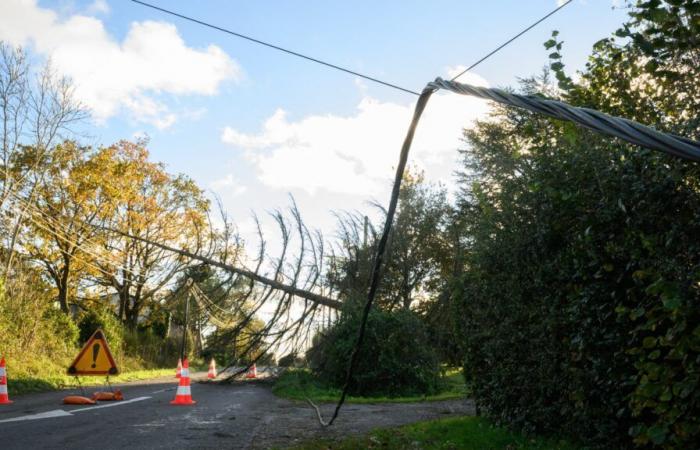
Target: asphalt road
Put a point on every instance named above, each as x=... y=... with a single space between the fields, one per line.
x=145 y=419
x=242 y=415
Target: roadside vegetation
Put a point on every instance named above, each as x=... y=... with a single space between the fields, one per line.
x=562 y=276
x=58 y=379
x=464 y=433
x=301 y=384
x=63 y=273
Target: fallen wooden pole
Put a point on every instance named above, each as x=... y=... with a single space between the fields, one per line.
x=320 y=299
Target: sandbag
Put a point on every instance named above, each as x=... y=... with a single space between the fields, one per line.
x=77 y=400
x=108 y=396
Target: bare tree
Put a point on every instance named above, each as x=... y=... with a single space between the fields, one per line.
x=36 y=112
x=14 y=110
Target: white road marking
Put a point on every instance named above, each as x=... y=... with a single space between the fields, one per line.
x=154 y=424
x=163 y=390
x=44 y=415
x=108 y=405
x=61 y=413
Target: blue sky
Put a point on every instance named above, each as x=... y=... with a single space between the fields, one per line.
x=252 y=124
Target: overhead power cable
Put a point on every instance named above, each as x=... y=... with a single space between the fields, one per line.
x=276 y=47
x=54 y=227
x=335 y=66
x=625 y=129
x=496 y=50
x=53 y=231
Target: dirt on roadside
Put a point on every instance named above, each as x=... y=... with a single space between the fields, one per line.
x=287 y=423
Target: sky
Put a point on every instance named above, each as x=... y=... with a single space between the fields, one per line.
x=252 y=125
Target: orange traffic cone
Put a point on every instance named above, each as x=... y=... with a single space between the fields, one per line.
x=183 y=396
x=252 y=372
x=179 y=368
x=212 y=369
x=4 y=399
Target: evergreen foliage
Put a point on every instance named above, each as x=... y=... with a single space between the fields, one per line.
x=396 y=359
x=580 y=291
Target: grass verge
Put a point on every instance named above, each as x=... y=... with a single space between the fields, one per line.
x=300 y=384
x=23 y=384
x=464 y=433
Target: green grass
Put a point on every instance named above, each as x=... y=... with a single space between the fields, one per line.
x=23 y=384
x=299 y=384
x=464 y=433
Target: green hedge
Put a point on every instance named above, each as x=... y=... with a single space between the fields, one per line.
x=396 y=359
x=581 y=296
x=581 y=284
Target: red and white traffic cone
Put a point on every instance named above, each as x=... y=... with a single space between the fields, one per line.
x=179 y=368
x=212 y=369
x=4 y=399
x=183 y=396
x=252 y=372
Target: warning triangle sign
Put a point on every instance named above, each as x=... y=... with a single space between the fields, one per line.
x=94 y=358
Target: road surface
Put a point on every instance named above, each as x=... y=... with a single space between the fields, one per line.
x=239 y=416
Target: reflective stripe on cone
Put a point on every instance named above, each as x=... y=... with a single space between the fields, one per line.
x=183 y=395
x=4 y=398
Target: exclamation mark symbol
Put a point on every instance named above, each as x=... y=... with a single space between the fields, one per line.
x=95 y=351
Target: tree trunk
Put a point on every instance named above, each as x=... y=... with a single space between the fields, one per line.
x=132 y=317
x=123 y=300
x=63 y=287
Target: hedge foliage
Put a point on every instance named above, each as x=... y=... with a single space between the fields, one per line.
x=397 y=358
x=581 y=286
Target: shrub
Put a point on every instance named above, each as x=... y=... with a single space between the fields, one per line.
x=291 y=360
x=63 y=328
x=396 y=356
x=101 y=318
x=150 y=349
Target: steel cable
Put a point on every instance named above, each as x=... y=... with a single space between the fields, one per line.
x=625 y=129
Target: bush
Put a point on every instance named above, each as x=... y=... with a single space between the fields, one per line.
x=63 y=328
x=149 y=349
x=101 y=318
x=30 y=325
x=396 y=357
x=291 y=360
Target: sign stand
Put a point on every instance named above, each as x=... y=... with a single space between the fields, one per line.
x=82 y=389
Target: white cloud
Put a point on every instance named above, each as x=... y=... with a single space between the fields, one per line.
x=110 y=75
x=98 y=7
x=356 y=154
x=228 y=186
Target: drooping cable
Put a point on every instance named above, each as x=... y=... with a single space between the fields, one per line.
x=381 y=248
x=625 y=129
x=628 y=130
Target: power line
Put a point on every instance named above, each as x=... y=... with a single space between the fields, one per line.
x=621 y=128
x=276 y=47
x=53 y=226
x=47 y=227
x=334 y=66
x=511 y=40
